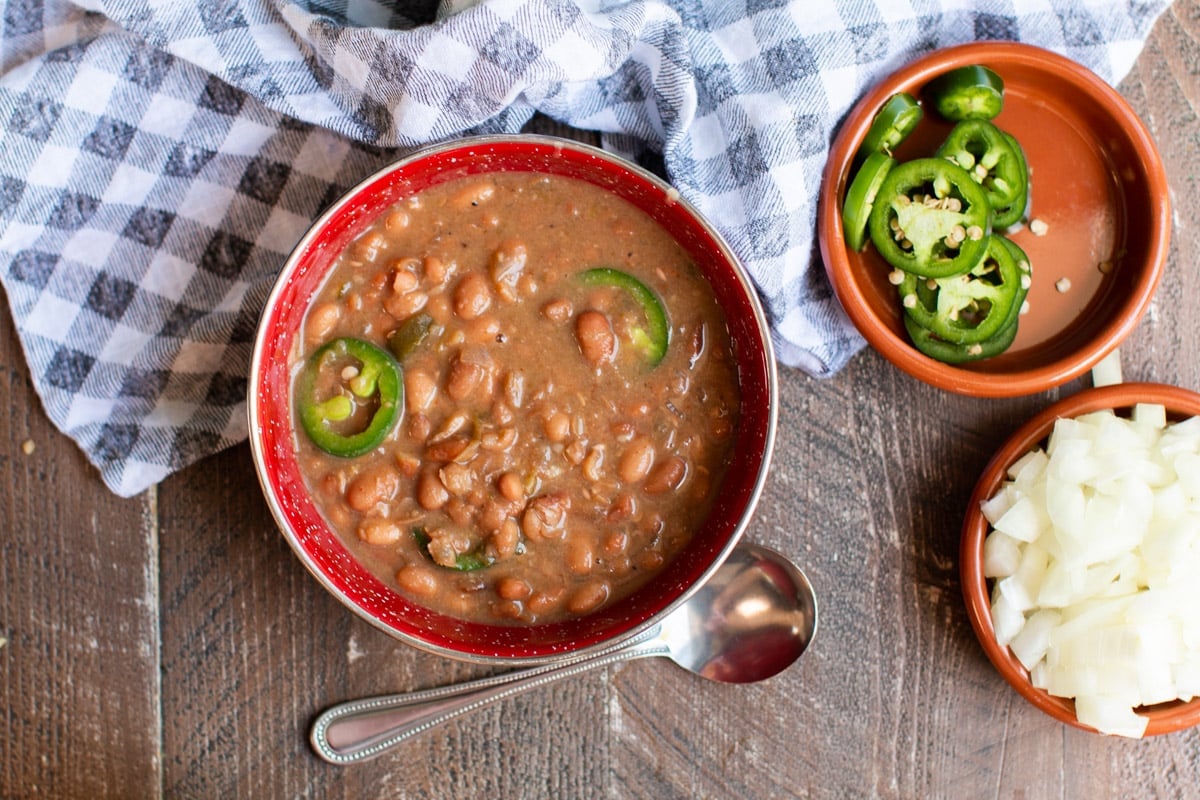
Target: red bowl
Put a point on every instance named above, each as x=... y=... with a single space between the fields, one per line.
x=1180 y=403
x=272 y=434
x=1096 y=179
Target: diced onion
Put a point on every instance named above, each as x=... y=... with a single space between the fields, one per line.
x=1094 y=550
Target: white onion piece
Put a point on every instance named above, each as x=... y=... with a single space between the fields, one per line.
x=1094 y=550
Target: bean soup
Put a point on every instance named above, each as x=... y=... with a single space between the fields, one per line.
x=515 y=398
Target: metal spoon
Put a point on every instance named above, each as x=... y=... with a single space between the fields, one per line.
x=750 y=621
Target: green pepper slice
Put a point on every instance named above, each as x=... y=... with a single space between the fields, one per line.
x=971 y=92
x=968 y=308
x=375 y=381
x=465 y=562
x=987 y=154
x=860 y=197
x=651 y=340
x=405 y=340
x=930 y=218
x=898 y=117
x=928 y=343
x=1012 y=214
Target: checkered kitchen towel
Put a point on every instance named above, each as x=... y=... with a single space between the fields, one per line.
x=159 y=158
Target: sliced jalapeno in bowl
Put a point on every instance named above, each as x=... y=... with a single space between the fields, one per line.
x=1010 y=215
x=971 y=92
x=860 y=197
x=987 y=154
x=968 y=308
x=898 y=117
x=931 y=219
x=928 y=343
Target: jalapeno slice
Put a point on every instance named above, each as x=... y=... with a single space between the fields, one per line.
x=930 y=218
x=898 y=117
x=357 y=380
x=971 y=92
x=652 y=339
x=1012 y=214
x=405 y=340
x=987 y=154
x=968 y=308
x=928 y=343
x=860 y=197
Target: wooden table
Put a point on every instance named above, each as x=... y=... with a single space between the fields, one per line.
x=172 y=646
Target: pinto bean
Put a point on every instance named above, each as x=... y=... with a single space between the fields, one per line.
x=447 y=449
x=492 y=515
x=472 y=297
x=666 y=476
x=596 y=339
x=588 y=597
x=403 y=306
x=558 y=310
x=418 y=579
x=438 y=307
x=622 y=507
x=404 y=275
x=503 y=543
x=544 y=601
x=557 y=426
x=431 y=494
x=372 y=486
x=369 y=246
x=511 y=487
x=615 y=543
x=462 y=378
x=321 y=321
x=417 y=427
x=510 y=588
x=457 y=478
x=546 y=516
x=378 y=531
x=507 y=609
x=396 y=220
x=436 y=271
x=473 y=194
x=502 y=414
x=420 y=390
x=636 y=461
x=579 y=557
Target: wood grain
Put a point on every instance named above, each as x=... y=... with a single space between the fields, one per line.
x=172 y=646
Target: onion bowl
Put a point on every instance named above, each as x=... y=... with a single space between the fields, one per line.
x=272 y=431
x=1097 y=184
x=977 y=589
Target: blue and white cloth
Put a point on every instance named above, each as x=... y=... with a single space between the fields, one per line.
x=159 y=159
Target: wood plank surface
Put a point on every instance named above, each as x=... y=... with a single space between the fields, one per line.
x=172 y=646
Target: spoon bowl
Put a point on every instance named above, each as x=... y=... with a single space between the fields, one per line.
x=751 y=620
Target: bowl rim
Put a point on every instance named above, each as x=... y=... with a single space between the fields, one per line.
x=898 y=349
x=1163 y=718
x=763 y=365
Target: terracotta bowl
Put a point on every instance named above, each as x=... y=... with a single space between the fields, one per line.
x=1097 y=182
x=319 y=547
x=1180 y=403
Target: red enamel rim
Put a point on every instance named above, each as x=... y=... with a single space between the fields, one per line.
x=271 y=431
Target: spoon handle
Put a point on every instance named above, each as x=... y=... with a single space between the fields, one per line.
x=362 y=729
